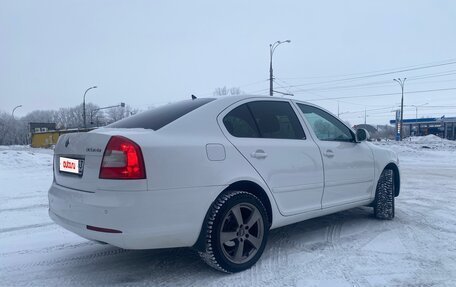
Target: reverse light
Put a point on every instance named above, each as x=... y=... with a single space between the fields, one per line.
x=122 y=159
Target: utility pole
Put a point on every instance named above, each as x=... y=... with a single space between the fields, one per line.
x=401 y=83
x=84 y=105
x=338 y=113
x=365 y=115
x=272 y=48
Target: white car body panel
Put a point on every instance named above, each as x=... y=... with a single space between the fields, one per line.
x=291 y=168
x=147 y=219
x=189 y=162
x=349 y=173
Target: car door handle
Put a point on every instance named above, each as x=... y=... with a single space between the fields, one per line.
x=259 y=154
x=328 y=153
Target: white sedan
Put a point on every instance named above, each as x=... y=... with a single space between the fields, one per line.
x=216 y=175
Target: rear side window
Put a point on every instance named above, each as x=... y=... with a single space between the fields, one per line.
x=239 y=122
x=264 y=119
x=157 y=118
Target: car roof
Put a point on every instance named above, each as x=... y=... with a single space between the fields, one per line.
x=233 y=99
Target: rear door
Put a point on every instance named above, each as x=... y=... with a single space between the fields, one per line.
x=270 y=136
x=348 y=165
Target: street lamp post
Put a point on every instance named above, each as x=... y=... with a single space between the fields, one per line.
x=416 y=116
x=84 y=105
x=416 y=110
x=401 y=83
x=16 y=107
x=272 y=48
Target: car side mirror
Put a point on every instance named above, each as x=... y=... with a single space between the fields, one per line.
x=362 y=135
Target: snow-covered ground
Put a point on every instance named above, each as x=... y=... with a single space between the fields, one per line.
x=351 y=248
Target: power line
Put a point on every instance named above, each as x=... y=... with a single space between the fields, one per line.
x=390 y=71
x=392 y=110
x=370 y=110
x=437 y=107
x=377 y=83
x=372 y=84
x=280 y=86
x=374 y=75
x=381 y=95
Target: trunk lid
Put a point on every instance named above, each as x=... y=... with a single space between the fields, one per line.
x=87 y=149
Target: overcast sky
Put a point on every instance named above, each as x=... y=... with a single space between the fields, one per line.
x=146 y=53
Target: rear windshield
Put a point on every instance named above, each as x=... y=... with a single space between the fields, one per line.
x=159 y=117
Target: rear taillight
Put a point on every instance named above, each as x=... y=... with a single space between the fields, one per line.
x=122 y=159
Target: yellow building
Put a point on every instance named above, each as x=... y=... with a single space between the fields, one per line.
x=46 y=139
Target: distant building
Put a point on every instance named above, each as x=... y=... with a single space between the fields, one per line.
x=41 y=127
x=46 y=135
x=444 y=127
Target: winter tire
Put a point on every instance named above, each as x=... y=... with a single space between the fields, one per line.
x=384 y=196
x=236 y=232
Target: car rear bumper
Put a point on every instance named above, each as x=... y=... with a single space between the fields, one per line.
x=144 y=219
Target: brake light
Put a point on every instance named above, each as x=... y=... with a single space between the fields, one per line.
x=122 y=159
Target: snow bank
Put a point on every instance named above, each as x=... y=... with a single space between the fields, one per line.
x=23 y=158
x=430 y=139
x=418 y=143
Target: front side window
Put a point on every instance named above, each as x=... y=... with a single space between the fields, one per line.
x=325 y=126
x=265 y=119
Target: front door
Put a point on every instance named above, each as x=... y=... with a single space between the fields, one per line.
x=348 y=165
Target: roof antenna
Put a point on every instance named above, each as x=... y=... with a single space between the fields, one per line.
x=193 y=97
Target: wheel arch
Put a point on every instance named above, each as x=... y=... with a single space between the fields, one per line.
x=397 y=177
x=255 y=189
x=241 y=185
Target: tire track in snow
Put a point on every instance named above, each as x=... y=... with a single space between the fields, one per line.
x=11 y=229
x=68 y=260
x=432 y=227
x=162 y=267
x=25 y=196
x=34 y=206
x=49 y=249
x=333 y=234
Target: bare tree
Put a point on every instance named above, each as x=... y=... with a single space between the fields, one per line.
x=12 y=131
x=118 y=113
x=16 y=131
x=233 y=91
x=386 y=131
x=115 y=114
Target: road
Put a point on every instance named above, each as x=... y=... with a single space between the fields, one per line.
x=349 y=248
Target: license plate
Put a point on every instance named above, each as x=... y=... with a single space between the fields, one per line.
x=71 y=165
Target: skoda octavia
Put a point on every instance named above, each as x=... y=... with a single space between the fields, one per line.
x=216 y=175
